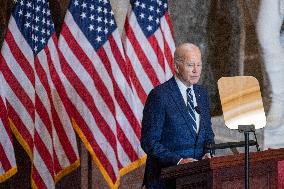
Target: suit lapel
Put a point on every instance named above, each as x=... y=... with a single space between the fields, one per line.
x=178 y=99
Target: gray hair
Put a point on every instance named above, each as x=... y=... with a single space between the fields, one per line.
x=179 y=52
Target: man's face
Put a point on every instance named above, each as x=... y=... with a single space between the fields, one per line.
x=189 y=69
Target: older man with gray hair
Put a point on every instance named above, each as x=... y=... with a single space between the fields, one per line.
x=176 y=121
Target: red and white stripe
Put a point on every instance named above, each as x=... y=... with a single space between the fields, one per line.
x=129 y=131
x=64 y=139
x=149 y=59
x=39 y=120
x=169 y=44
x=98 y=86
x=17 y=66
x=7 y=156
x=55 y=142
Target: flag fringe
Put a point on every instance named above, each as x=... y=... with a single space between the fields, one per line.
x=106 y=176
x=61 y=174
x=8 y=174
x=33 y=185
x=67 y=170
x=132 y=166
x=20 y=139
x=26 y=147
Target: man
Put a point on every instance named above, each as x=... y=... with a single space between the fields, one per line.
x=176 y=121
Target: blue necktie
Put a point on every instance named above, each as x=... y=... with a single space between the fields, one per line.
x=190 y=108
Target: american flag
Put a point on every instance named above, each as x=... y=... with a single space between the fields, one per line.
x=149 y=46
x=37 y=115
x=7 y=157
x=99 y=89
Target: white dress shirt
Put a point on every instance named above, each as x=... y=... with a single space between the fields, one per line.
x=182 y=87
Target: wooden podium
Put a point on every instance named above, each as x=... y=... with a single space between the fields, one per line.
x=227 y=172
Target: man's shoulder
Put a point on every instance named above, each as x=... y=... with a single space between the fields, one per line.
x=200 y=88
x=164 y=86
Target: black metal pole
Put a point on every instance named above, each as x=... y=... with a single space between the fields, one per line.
x=246 y=133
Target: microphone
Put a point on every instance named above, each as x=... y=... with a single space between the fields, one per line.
x=197 y=109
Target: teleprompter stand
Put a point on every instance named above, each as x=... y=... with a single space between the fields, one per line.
x=246 y=129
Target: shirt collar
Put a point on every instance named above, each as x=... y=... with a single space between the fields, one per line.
x=181 y=85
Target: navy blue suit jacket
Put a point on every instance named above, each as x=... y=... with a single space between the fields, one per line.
x=167 y=134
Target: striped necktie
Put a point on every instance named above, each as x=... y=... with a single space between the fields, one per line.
x=190 y=108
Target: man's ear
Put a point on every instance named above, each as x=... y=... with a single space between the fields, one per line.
x=176 y=68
